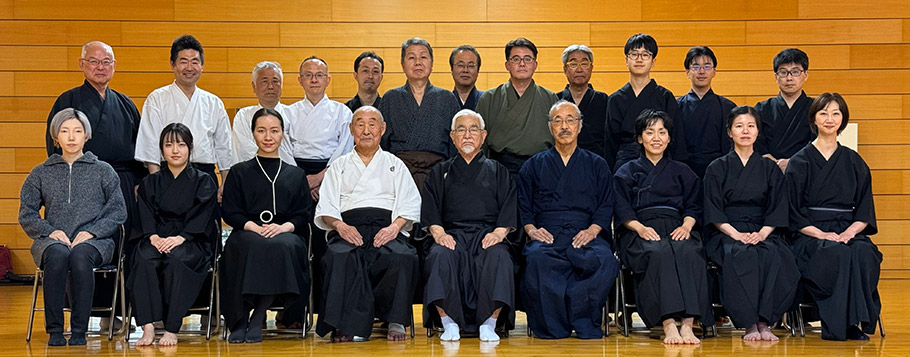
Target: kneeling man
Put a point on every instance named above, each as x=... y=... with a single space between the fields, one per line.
x=469 y=206
x=367 y=203
x=565 y=197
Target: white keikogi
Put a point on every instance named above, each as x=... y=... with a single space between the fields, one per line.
x=321 y=131
x=245 y=147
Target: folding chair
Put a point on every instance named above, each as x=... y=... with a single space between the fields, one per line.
x=800 y=321
x=116 y=268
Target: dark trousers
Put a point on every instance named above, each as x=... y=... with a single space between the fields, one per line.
x=60 y=262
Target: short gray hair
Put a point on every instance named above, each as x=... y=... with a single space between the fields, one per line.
x=416 y=41
x=96 y=43
x=66 y=114
x=267 y=65
x=576 y=48
x=561 y=103
x=367 y=108
x=471 y=113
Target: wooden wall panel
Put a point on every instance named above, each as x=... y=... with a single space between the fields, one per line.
x=21 y=160
x=20 y=109
x=859 y=82
x=885 y=131
x=58 y=32
x=848 y=9
x=886 y=157
x=874 y=107
x=498 y=34
x=7 y=83
x=822 y=32
x=16 y=237
x=880 y=56
x=29 y=58
x=892 y=207
x=891 y=182
x=22 y=134
x=162 y=10
x=356 y=35
x=547 y=10
x=23 y=264
x=407 y=10
x=663 y=10
x=10 y=185
x=9 y=211
x=259 y=11
x=210 y=34
x=710 y=33
x=6 y=9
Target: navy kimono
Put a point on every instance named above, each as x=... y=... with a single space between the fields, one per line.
x=593 y=108
x=705 y=122
x=670 y=275
x=784 y=130
x=842 y=278
x=564 y=288
x=758 y=281
x=471 y=102
x=622 y=109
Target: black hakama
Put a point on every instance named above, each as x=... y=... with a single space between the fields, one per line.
x=758 y=282
x=622 y=109
x=705 y=121
x=253 y=265
x=841 y=278
x=670 y=276
x=165 y=285
x=469 y=283
x=365 y=282
x=565 y=288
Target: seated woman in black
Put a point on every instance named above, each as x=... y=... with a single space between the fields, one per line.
x=267 y=203
x=177 y=230
x=832 y=211
x=83 y=207
x=657 y=203
x=746 y=202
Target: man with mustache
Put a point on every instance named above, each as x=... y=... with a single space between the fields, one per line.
x=784 y=123
x=368 y=70
x=565 y=196
x=516 y=111
x=469 y=207
x=703 y=112
x=184 y=102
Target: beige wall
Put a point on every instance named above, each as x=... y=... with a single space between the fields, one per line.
x=858 y=48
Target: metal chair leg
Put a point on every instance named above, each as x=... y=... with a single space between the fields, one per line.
x=31 y=317
x=881 y=327
x=801 y=321
x=626 y=319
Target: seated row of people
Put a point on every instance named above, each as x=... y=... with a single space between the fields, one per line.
x=565 y=197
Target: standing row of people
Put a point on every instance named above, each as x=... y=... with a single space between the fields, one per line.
x=526 y=166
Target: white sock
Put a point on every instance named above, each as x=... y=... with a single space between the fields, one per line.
x=396 y=327
x=450 y=330
x=490 y=322
x=488 y=334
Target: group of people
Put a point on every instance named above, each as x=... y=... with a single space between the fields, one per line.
x=464 y=192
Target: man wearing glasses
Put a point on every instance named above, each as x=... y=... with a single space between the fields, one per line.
x=784 y=127
x=465 y=64
x=578 y=64
x=116 y=120
x=639 y=94
x=703 y=112
x=516 y=111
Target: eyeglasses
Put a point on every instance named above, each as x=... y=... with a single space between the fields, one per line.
x=697 y=68
x=525 y=59
x=783 y=73
x=575 y=64
x=462 y=66
x=319 y=76
x=94 y=62
x=462 y=130
x=643 y=55
x=560 y=122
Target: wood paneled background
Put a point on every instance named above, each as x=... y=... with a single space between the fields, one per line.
x=858 y=48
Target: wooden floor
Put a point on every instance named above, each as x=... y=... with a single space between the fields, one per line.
x=15 y=301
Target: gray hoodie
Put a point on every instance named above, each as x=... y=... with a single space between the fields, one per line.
x=83 y=197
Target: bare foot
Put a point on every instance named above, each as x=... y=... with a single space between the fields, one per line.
x=766 y=333
x=688 y=337
x=397 y=336
x=338 y=336
x=673 y=337
x=148 y=335
x=169 y=339
x=752 y=333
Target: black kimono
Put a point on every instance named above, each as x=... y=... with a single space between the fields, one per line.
x=622 y=109
x=758 y=281
x=705 y=128
x=593 y=108
x=165 y=285
x=670 y=275
x=784 y=130
x=255 y=265
x=469 y=283
x=473 y=98
x=842 y=278
x=564 y=288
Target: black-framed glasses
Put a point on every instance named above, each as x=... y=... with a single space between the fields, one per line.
x=645 y=55
x=525 y=59
x=783 y=73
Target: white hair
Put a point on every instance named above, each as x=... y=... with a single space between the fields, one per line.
x=576 y=48
x=66 y=114
x=561 y=103
x=106 y=47
x=368 y=108
x=267 y=65
x=468 y=112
